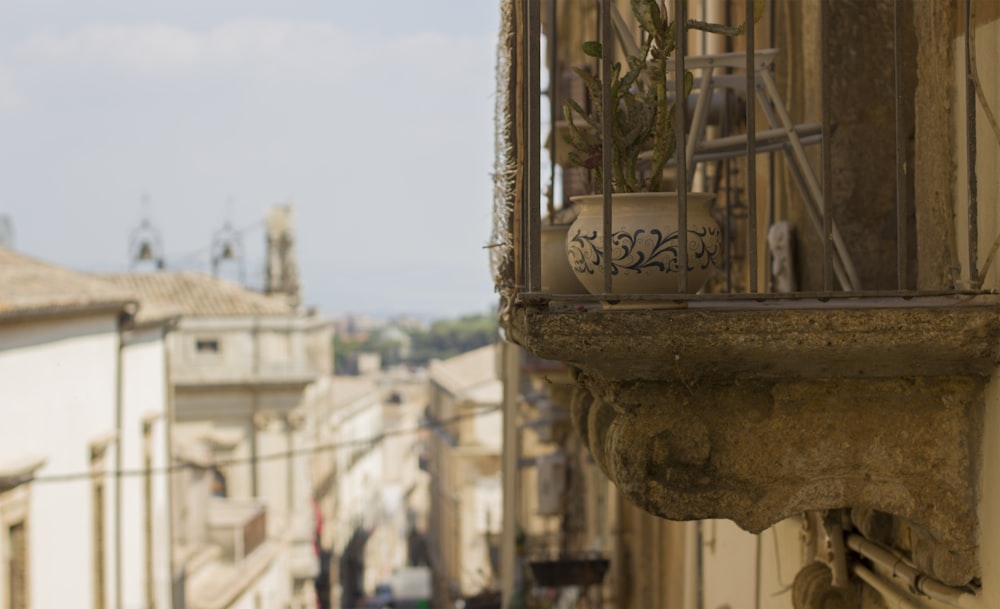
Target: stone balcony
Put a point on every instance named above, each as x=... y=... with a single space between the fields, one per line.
x=755 y=411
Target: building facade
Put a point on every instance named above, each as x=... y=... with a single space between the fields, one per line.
x=240 y=363
x=463 y=460
x=84 y=443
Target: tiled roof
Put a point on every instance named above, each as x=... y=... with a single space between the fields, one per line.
x=199 y=295
x=30 y=287
x=471 y=375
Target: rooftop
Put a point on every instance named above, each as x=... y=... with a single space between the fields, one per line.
x=30 y=287
x=199 y=295
x=471 y=375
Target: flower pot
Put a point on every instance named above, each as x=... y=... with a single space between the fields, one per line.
x=644 y=243
x=557 y=276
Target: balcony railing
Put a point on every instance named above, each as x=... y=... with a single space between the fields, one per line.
x=745 y=207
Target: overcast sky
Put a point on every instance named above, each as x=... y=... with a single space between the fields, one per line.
x=373 y=117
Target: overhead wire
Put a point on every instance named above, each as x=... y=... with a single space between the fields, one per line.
x=176 y=261
x=285 y=454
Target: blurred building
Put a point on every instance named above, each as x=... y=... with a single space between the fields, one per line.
x=84 y=396
x=240 y=363
x=463 y=459
x=378 y=502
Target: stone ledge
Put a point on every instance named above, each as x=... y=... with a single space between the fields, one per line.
x=874 y=338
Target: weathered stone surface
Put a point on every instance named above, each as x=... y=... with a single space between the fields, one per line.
x=869 y=338
x=758 y=452
x=758 y=415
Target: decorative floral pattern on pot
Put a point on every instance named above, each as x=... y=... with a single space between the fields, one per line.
x=644 y=245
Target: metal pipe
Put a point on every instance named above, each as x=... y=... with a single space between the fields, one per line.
x=757 y=572
x=751 y=70
x=919 y=581
x=125 y=321
x=680 y=107
x=168 y=440
x=889 y=592
x=838 y=566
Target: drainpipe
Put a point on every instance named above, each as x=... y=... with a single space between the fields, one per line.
x=893 y=596
x=169 y=389
x=147 y=491
x=126 y=321
x=915 y=579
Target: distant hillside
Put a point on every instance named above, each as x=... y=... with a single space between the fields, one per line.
x=408 y=344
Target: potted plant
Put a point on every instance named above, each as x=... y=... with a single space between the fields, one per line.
x=645 y=242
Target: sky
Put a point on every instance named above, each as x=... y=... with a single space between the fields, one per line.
x=373 y=118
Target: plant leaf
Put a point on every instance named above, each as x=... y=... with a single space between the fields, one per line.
x=593 y=48
x=647 y=13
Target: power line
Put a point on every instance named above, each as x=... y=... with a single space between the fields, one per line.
x=180 y=258
x=286 y=454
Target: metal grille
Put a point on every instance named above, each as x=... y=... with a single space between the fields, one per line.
x=740 y=219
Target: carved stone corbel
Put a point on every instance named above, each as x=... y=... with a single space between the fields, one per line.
x=757 y=452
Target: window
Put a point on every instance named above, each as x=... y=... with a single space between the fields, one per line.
x=207 y=345
x=15 y=577
x=98 y=513
x=17 y=566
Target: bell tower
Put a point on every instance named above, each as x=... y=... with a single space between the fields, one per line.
x=282 y=268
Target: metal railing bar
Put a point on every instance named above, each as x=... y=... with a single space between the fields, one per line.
x=607 y=45
x=520 y=101
x=970 y=134
x=821 y=296
x=534 y=182
x=751 y=75
x=901 y=198
x=551 y=44
x=825 y=87
x=680 y=107
x=772 y=179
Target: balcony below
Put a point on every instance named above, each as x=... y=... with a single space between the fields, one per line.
x=756 y=411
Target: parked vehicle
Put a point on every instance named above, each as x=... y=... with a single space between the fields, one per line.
x=407 y=588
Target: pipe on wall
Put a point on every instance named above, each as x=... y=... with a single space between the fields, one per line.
x=919 y=581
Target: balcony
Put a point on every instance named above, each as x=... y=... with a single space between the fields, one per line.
x=232 y=568
x=838 y=355
x=237 y=527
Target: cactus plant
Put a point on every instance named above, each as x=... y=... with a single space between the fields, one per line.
x=643 y=114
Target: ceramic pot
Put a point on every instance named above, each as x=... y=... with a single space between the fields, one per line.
x=644 y=243
x=557 y=276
